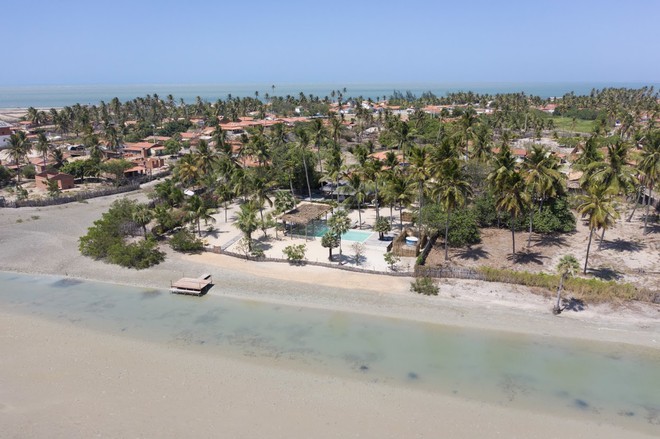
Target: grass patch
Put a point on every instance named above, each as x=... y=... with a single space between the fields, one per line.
x=591 y=290
x=579 y=126
x=35 y=217
x=20 y=220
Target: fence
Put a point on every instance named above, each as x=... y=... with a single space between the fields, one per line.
x=134 y=184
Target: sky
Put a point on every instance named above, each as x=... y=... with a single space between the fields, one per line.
x=412 y=41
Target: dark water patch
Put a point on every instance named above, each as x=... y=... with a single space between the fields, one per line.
x=626 y=413
x=150 y=294
x=580 y=403
x=653 y=415
x=364 y=368
x=206 y=318
x=413 y=376
x=66 y=283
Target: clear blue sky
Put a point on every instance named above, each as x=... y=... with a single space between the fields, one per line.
x=407 y=41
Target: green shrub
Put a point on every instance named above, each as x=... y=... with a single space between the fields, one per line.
x=185 y=241
x=556 y=216
x=138 y=255
x=295 y=253
x=29 y=171
x=424 y=285
x=463 y=225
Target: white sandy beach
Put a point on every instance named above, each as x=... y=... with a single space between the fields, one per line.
x=63 y=381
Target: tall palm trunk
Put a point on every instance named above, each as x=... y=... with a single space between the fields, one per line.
x=447 y=236
x=377 y=205
x=600 y=241
x=400 y=217
x=513 y=234
x=421 y=204
x=309 y=189
x=531 y=218
x=648 y=205
x=586 y=260
x=637 y=195
x=557 y=308
x=359 y=215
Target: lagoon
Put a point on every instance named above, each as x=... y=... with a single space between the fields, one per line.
x=607 y=382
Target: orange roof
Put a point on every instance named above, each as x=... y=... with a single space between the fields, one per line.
x=139 y=145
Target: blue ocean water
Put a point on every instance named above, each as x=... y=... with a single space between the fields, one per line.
x=48 y=96
x=605 y=382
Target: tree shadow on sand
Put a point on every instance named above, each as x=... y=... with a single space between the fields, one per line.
x=573 y=304
x=527 y=257
x=473 y=253
x=549 y=240
x=621 y=245
x=605 y=273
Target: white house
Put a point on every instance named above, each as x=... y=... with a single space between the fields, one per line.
x=5 y=132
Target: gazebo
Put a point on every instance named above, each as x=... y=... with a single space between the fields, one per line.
x=305 y=213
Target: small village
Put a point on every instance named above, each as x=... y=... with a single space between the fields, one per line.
x=266 y=177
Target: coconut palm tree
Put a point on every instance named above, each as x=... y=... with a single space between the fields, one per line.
x=452 y=189
x=339 y=223
x=598 y=207
x=614 y=173
x=567 y=267
x=542 y=178
x=247 y=222
x=303 y=143
x=649 y=165
x=420 y=172
x=199 y=210
x=399 y=191
x=357 y=190
x=19 y=146
x=42 y=147
x=513 y=199
x=142 y=216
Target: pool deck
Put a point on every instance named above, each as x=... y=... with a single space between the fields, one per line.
x=228 y=237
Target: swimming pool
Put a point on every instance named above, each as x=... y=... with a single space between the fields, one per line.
x=321 y=229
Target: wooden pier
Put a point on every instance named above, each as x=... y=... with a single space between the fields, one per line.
x=192 y=286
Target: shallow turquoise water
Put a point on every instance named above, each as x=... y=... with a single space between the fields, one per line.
x=613 y=383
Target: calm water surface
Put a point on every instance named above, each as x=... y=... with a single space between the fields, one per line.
x=614 y=383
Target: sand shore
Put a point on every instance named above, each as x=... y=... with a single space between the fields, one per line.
x=63 y=381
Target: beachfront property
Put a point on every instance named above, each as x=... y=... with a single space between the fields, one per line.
x=5 y=132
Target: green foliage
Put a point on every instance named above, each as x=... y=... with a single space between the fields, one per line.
x=138 y=255
x=382 y=226
x=463 y=225
x=295 y=253
x=592 y=290
x=5 y=176
x=81 y=168
x=106 y=239
x=555 y=216
x=54 y=190
x=391 y=259
x=173 y=127
x=185 y=241
x=116 y=167
x=29 y=171
x=425 y=285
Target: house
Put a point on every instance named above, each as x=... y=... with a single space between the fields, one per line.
x=39 y=164
x=140 y=149
x=64 y=181
x=5 y=132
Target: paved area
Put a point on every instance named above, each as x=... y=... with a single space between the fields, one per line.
x=227 y=236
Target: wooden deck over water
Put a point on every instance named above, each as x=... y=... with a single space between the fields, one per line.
x=192 y=286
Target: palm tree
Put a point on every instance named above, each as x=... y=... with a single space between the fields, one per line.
x=247 y=222
x=399 y=191
x=419 y=172
x=614 y=174
x=513 y=199
x=339 y=224
x=42 y=147
x=567 y=267
x=542 y=179
x=199 y=210
x=187 y=170
x=649 y=165
x=303 y=142
x=357 y=190
x=372 y=172
x=142 y=216
x=598 y=206
x=19 y=146
x=225 y=195
x=452 y=190
x=319 y=133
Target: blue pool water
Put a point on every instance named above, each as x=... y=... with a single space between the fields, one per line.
x=604 y=382
x=320 y=230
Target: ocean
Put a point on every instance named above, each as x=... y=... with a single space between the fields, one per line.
x=54 y=96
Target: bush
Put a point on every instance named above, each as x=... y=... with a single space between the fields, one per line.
x=295 y=253
x=185 y=241
x=463 y=225
x=556 y=216
x=424 y=285
x=105 y=239
x=138 y=255
x=5 y=176
x=29 y=172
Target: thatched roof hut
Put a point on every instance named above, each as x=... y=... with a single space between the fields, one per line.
x=305 y=213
